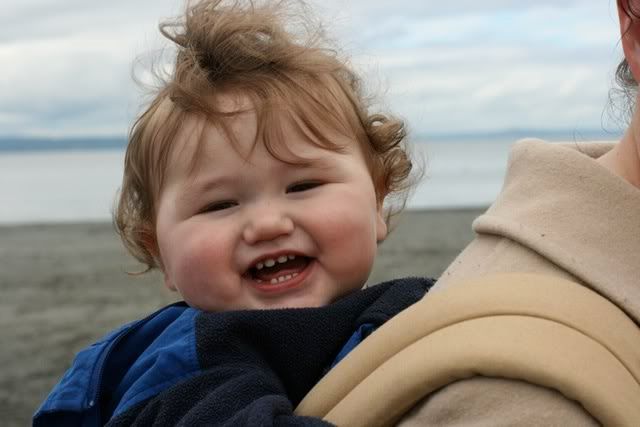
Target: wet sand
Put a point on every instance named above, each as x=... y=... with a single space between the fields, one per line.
x=65 y=285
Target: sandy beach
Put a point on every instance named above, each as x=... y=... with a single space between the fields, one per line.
x=65 y=285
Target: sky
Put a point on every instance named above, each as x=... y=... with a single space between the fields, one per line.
x=463 y=66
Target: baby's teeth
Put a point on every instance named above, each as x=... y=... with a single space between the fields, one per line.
x=271 y=261
x=283 y=278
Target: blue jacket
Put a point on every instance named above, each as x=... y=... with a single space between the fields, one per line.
x=185 y=366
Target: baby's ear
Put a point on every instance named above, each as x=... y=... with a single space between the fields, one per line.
x=148 y=241
x=381 y=224
x=630 y=37
x=169 y=283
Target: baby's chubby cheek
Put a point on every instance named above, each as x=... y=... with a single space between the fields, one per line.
x=204 y=273
x=346 y=228
x=349 y=235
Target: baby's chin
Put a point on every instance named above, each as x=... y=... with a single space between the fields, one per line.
x=293 y=303
x=264 y=305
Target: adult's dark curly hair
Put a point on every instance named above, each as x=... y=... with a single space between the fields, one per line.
x=627 y=87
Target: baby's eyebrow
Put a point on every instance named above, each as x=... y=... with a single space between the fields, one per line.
x=315 y=163
x=192 y=190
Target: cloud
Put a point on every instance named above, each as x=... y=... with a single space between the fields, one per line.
x=446 y=66
x=494 y=65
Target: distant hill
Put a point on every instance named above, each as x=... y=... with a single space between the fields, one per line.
x=20 y=143
x=9 y=143
x=515 y=134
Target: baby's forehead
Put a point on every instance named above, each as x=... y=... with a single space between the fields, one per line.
x=243 y=128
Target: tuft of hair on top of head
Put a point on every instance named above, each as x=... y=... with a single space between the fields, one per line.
x=220 y=44
x=276 y=53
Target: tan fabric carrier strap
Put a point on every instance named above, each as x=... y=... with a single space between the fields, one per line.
x=542 y=330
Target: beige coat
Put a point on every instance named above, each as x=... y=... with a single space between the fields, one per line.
x=560 y=216
x=559 y=213
x=533 y=328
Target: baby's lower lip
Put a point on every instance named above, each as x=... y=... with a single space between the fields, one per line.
x=285 y=285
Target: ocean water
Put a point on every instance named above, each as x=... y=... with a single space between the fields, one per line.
x=81 y=185
x=58 y=186
x=460 y=174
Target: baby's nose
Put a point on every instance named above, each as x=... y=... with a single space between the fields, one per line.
x=267 y=224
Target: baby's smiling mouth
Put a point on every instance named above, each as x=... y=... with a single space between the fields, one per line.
x=279 y=269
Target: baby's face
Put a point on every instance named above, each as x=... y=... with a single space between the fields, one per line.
x=247 y=231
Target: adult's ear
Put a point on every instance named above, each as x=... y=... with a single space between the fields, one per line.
x=630 y=37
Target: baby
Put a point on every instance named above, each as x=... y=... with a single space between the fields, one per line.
x=256 y=179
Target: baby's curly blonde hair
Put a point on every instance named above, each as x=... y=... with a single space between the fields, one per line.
x=253 y=49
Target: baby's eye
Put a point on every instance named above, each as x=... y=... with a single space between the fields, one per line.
x=219 y=206
x=302 y=186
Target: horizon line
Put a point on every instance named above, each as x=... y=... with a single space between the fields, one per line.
x=421 y=134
